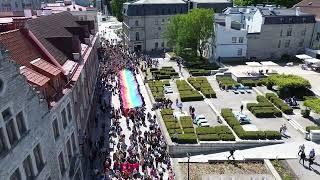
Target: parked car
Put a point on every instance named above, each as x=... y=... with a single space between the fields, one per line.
x=203 y=124
x=201 y=121
x=168 y=89
x=243 y=119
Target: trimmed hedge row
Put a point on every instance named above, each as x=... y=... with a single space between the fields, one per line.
x=254 y=83
x=164 y=73
x=156 y=88
x=216 y=133
x=308 y=128
x=186 y=122
x=166 y=112
x=250 y=135
x=202 y=84
x=279 y=103
x=263 y=109
x=200 y=72
x=187 y=93
x=226 y=82
x=186 y=138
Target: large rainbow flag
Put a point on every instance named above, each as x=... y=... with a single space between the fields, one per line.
x=130 y=94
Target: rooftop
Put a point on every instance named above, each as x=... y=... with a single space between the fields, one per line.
x=310 y=6
x=212 y=1
x=46 y=67
x=34 y=77
x=158 y=2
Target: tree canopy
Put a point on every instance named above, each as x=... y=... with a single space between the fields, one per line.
x=285 y=3
x=116 y=6
x=190 y=31
x=313 y=104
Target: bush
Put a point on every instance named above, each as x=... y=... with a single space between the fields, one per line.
x=186 y=122
x=227 y=137
x=226 y=82
x=308 y=128
x=279 y=103
x=188 y=130
x=305 y=113
x=213 y=130
x=313 y=103
x=271 y=135
x=169 y=118
x=209 y=137
x=187 y=93
x=164 y=73
x=250 y=83
x=173 y=131
x=186 y=138
x=172 y=125
x=166 y=112
x=156 y=88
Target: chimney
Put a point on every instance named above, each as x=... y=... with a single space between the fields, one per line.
x=297 y=11
x=228 y=22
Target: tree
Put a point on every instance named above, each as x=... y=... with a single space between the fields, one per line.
x=116 y=6
x=190 y=31
x=285 y=3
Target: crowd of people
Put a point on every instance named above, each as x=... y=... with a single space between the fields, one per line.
x=137 y=146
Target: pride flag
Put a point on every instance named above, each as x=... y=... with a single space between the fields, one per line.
x=130 y=94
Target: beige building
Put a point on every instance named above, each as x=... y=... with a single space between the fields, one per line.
x=144 y=21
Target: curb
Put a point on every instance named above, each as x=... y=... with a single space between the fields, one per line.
x=273 y=171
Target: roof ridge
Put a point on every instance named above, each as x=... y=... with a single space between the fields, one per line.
x=10 y=31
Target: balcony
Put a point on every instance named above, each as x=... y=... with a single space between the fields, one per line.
x=74 y=164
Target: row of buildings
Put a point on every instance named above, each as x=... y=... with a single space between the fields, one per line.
x=241 y=33
x=48 y=70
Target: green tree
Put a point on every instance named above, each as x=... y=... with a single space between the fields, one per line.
x=190 y=31
x=285 y=3
x=116 y=6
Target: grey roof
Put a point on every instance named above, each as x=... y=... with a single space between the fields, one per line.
x=52 y=26
x=157 y=2
x=212 y=1
x=286 y=16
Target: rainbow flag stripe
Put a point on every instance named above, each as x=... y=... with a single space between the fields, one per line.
x=130 y=95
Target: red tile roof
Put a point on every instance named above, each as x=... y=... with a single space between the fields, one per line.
x=46 y=67
x=34 y=77
x=20 y=48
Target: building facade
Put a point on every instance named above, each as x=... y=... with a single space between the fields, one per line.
x=47 y=82
x=144 y=21
x=19 y=5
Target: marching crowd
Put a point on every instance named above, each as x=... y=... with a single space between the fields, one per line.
x=137 y=146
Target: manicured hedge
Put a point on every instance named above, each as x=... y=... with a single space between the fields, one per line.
x=169 y=118
x=164 y=73
x=313 y=104
x=172 y=125
x=308 y=128
x=188 y=130
x=249 y=135
x=173 y=131
x=209 y=137
x=253 y=83
x=186 y=138
x=166 y=112
x=215 y=133
x=186 y=122
x=279 y=103
x=264 y=108
x=156 y=88
x=227 y=82
x=187 y=93
x=202 y=84
x=200 y=72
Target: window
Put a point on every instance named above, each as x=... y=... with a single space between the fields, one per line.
x=289 y=31
x=279 y=44
x=156 y=45
x=290 y=20
x=169 y=11
x=69 y=150
x=304 y=20
x=159 y=28
x=64 y=118
x=301 y=42
x=137 y=23
x=281 y=33
x=239 y=52
x=162 y=44
x=12 y=134
x=247 y=27
x=248 y=18
x=137 y=36
x=21 y=123
x=16 y=175
x=3 y=147
x=287 y=43
x=55 y=127
x=244 y=18
x=163 y=20
x=1 y=86
x=69 y=112
x=73 y=140
x=318 y=37
x=6 y=114
x=240 y=39
x=162 y=11
x=27 y=166
x=61 y=163
x=234 y=40
x=38 y=156
x=303 y=33
x=156 y=35
x=156 y=22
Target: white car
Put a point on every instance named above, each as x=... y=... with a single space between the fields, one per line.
x=203 y=124
x=168 y=89
x=200 y=120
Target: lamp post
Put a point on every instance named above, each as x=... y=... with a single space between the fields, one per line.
x=188 y=155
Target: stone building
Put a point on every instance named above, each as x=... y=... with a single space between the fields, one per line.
x=19 y=5
x=144 y=21
x=47 y=80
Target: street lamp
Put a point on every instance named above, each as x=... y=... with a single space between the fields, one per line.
x=188 y=155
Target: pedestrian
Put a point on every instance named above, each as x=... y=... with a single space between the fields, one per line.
x=241 y=107
x=301 y=149
x=311 y=157
x=302 y=157
x=231 y=154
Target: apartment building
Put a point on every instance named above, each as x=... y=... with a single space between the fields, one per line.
x=48 y=72
x=312 y=7
x=144 y=21
x=19 y=5
x=273 y=31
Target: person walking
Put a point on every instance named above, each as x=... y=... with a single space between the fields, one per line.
x=311 y=157
x=302 y=156
x=301 y=149
x=241 y=107
x=231 y=154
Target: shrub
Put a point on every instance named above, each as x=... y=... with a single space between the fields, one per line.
x=313 y=103
x=249 y=82
x=305 y=113
x=213 y=130
x=209 y=137
x=187 y=93
x=164 y=73
x=308 y=128
x=273 y=135
x=188 y=130
x=226 y=82
x=166 y=112
x=173 y=131
x=186 y=122
x=186 y=138
x=279 y=103
x=168 y=118
x=227 y=137
x=172 y=125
